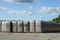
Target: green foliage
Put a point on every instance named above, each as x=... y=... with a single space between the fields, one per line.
x=56 y=19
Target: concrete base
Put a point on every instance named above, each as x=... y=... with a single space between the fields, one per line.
x=29 y=36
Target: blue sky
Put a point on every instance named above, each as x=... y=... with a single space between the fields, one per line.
x=36 y=10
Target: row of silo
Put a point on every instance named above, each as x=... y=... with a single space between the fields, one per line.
x=50 y=27
x=20 y=26
x=28 y=26
x=35 y=26
x=8 y=26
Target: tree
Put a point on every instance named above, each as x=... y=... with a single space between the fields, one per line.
x=56 y=19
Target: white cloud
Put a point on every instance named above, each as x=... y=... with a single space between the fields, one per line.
x=3 y=8
x=58 y=8
x=47 y=9
x=29 y=13
x=54 y=14
x=10 y=9
x=42 y=9
x=37 y=1
x=52 y=10
x=8 y=0
x=30 y=7
x=19 y=12
x=13 y=11
x=24 y=12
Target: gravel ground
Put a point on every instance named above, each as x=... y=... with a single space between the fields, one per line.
x=29 y=36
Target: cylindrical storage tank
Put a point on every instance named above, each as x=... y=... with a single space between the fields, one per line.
x=14 y=26
x=43 y=26
x=19 y=26
x=38 y=26
x=26 y=27
x=32 y=26
x=6 y=26
x=0 y=25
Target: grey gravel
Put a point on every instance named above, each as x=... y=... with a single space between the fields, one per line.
x=29 y=36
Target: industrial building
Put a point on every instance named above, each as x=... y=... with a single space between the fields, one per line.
x=35 y=26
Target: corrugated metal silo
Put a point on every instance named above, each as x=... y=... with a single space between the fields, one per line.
x=38 y=26
x=26 y=27
x=14 y=26
x=6 y=26
x=32 y=26
x=19 y=26
x=43 y=25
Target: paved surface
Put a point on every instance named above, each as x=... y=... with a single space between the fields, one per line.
x=29 y=36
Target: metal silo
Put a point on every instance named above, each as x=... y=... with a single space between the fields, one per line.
x=32 y=26
x=14 y=26
x=0 y=25
x=19 y=26
x=38 y=26
x=26 y=27
x=43 y=25
x=6 y=26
